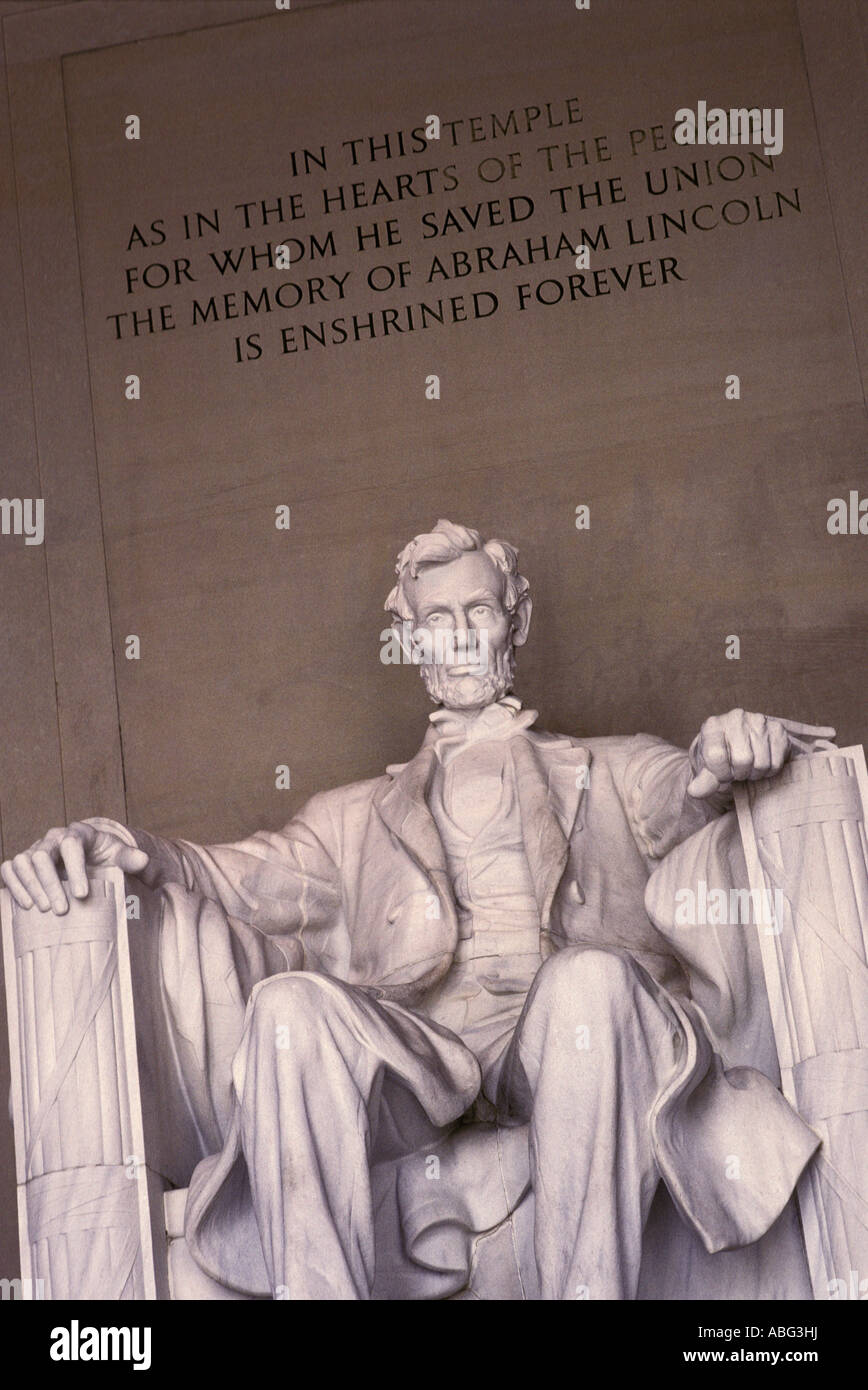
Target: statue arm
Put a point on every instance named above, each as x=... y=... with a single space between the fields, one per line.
x=669 y=793
x=279 y=882
x=654 y=784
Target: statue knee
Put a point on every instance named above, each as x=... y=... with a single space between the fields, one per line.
x=586 y=976
x=292 y=1009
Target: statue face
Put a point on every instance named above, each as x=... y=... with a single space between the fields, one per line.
x=465 y=594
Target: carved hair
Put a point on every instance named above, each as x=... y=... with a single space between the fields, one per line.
x=446 y=542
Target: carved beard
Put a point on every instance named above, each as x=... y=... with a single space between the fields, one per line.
x=470 y=691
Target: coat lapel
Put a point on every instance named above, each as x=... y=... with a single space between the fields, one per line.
x=403 y=806
x=550 y=787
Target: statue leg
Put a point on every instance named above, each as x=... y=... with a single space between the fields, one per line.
x=594 y=1046
x=309 y=1077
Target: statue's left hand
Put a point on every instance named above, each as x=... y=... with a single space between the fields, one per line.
x=741 y=747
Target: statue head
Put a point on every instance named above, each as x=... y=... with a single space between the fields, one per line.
x=453 y=584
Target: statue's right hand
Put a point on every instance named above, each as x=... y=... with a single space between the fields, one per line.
x=32 y=876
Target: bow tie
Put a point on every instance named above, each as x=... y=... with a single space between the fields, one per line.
x=453 y=730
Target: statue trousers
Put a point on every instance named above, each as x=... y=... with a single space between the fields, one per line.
x=329 y=1078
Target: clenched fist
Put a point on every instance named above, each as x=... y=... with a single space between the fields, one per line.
x=743 y=747
x=32 y=876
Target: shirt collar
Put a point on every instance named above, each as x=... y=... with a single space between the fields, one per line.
x=452 y=730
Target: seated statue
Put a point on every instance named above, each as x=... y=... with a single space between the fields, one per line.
x=464 y=942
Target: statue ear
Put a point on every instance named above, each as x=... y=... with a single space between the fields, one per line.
x=521 y=620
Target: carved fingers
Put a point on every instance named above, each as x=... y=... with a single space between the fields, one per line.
x=32 y=877
x=131 y=860
x=20 y=878
x=73 y=856
x=741 y=746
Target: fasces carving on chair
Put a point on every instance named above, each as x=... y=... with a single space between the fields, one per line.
x=80 y=1146
x=805 y=838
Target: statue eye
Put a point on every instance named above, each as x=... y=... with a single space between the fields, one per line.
x=481 y=608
